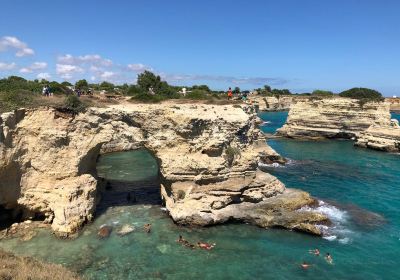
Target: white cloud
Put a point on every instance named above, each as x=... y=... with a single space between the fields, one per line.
x=107 y=75
x=139 y=67
x=67 y=70
x=33 y=67
x=7 y=66
x=226 y=79
x=21 y=48
x=45 y=76
x=89 y=59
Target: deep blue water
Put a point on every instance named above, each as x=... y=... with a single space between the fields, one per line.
x=361 y=194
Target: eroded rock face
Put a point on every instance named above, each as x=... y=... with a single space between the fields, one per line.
x=207 y=154
x=272 y=103
x=381 y=138
x=333 y=118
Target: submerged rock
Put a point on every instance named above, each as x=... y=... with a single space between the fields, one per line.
x=104 y=232
x=125 y=229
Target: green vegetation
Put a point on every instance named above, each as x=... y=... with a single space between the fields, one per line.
x=73 y=104
x=321 y=93
x=364 y=95
x=231 y=153
x=11 y=100
x=361 y=93
x=82 y=85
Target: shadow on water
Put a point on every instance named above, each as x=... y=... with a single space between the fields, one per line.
x=129 y=178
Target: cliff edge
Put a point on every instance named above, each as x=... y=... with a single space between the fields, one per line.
x=207 y=154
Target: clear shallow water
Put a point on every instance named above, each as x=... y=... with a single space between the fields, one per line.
x=355 y=180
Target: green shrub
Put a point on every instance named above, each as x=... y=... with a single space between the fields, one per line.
x=74 y=104
x=361 y=93
x=15 y=83
x=231 y=153
x=322 y=92
x=12 y=100
x=198 y=94
x=134 y=90
x=148 y=98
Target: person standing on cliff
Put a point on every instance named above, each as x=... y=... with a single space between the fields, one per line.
x=229 y=93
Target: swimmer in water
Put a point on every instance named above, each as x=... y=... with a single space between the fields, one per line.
x=315 y=252
x=181 y=239
x=305 y=265
x=328 y=258
x=147 y=228
x=205 y=246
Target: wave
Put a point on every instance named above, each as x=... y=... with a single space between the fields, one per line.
x=277 y=165
x=264 y=123
x=338 y=230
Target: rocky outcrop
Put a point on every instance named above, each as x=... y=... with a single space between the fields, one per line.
x=207 y=154
x=272 y=103
x=333 y=118
x=394 y=103
x=381 y=138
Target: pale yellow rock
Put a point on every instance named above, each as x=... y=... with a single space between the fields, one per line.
x=48 y=161
x=369 y=124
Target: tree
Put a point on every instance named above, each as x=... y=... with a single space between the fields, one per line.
x=107 y=86
x=82 y=85
x=201 y=87
x=236 y=90
x=361 y=93
x=281 y=92
x=66 y=84
x=148 y=80
x=267 y=88
x=322 y=92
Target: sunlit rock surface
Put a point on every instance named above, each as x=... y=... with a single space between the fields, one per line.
x=207 y=154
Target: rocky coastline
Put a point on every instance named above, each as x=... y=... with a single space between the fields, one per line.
x=369 y=124
x=207 y=155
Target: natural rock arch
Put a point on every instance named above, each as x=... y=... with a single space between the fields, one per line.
x=57 y=156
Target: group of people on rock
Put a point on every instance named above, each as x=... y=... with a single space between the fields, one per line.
x=201 y=245
x=80 y=92
x=316 y=252
x=243 y=95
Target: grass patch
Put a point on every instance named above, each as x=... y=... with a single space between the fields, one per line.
x=23 y=268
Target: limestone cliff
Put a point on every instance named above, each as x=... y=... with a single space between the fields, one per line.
x=385 y=138
x=272 y=103
x=333 y=118
x=369 y=124
x=207 y=155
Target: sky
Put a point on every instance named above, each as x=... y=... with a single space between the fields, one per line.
x=301 y=45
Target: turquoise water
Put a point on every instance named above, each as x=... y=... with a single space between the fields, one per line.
x=272 y=121
x=360 y=191
x=396 y=116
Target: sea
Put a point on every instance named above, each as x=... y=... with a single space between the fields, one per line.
x=357 y=188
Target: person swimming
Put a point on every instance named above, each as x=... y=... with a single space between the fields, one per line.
x=305 y=265
x=328 y=258
x=181 y=239
x=205 y=246
x=147 y=228
x=315 y=252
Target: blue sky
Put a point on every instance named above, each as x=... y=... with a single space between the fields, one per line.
x=300 y=45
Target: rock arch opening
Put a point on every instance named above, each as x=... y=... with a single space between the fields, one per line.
x=128 y=177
